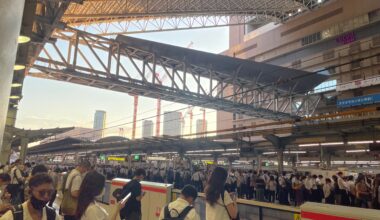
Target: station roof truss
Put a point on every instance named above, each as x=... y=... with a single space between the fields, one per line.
x=109 y=17
x=127 y=64
x=32 y=135
x=244 y=141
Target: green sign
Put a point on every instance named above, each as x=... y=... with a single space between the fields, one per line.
x=136 y=157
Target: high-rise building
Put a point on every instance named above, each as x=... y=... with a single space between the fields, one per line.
x=335 y=40
x=99 y=124
x=172 y=123
x=147 y=129
x=200 y=127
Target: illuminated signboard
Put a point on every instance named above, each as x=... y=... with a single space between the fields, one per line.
x=136 y=157
x=116 y=158
x=346 y=38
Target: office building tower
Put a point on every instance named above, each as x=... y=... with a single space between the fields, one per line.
x=172 y=123
x=99 y=124
x=147 y=129
x=201 y=127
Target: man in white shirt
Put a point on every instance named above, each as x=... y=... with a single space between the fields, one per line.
x=72 y=186
x=343 y=188
x=182 y=207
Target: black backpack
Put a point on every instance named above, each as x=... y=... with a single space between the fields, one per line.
x=181 y=216
x=18 y=213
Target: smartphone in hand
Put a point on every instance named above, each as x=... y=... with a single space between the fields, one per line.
x=124 y=200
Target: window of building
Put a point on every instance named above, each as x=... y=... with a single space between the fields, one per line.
x=376 y=41
x=328 y=55
x=234 y=116
x=356 y=76
x=358 y=92
x=311 y=38
x=354 y=47
x=296 y=64
x=355 y=64
x=374 y=15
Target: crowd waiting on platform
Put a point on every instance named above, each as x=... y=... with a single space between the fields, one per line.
x=30 y=189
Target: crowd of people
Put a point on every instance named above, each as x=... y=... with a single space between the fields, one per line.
x=287 y=188
x=30 y=189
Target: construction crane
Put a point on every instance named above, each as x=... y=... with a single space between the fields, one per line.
x=158 y=113
x=203 y=121
x=190 y=113
x=135 y=107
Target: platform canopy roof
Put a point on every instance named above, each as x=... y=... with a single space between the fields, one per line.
x=248 y=71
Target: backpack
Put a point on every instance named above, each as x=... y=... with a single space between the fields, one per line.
x=181 y=216
x=18 y=213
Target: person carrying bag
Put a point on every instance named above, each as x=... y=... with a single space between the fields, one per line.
x=237 y=216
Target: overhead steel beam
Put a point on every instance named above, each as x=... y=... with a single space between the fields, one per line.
x=125 y=72
x=109 y=17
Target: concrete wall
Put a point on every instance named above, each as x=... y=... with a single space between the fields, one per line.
x=11 y=12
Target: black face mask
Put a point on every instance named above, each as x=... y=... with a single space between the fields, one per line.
x=37 y=204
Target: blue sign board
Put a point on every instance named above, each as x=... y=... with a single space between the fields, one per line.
x=357 y=101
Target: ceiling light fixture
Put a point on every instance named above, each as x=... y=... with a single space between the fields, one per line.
x=14 y=97
x=22 y=39
x=18 y=67
x=309 y=145
x=360 y=142
x=332 y=143
x=15 y=85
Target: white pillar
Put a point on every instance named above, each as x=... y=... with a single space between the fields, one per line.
x=11 y=12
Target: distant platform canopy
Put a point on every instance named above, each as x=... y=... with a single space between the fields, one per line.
x=285 y=79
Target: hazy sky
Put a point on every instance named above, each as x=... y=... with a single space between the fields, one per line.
x=48 y=103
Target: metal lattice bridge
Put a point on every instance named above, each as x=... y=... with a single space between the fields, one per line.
x=82 y=42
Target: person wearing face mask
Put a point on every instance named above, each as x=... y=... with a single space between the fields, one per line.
x=132 y=209
x=41 y=190
x=88 y=209
x=4 y=195
x=182 y=208
x=71 y=190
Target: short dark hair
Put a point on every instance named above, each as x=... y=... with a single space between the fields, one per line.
x=189 y=191
x=17 y=161
x=40 y=168
x=5 y=177
x=340 y=173
x=85 y=164
x=140 y=172
x=39 y=179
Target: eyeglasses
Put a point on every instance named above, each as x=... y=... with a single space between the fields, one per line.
x=47 y=193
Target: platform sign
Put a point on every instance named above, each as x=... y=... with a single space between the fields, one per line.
x=116 y=158
x=358 y=101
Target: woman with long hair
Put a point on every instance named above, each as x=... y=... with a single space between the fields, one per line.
x=219 y=205
x=88 y=209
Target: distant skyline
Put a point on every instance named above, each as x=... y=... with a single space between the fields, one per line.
x=49 y=103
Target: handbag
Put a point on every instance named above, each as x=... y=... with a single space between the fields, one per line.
x=69 y=203
x=237 y=216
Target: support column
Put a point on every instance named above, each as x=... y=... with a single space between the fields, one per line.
x=328 y=161
x=24 y=148
x=280 y=158
x=10 y=24
x=258 y=164
x=321 y=162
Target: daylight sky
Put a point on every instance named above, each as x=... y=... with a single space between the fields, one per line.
x=49 y=104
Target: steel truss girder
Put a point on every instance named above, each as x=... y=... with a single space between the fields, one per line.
x=116 y=66
x=134 y=16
